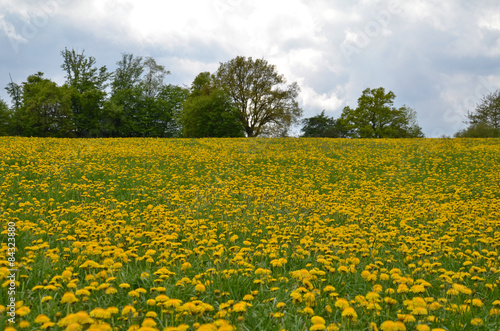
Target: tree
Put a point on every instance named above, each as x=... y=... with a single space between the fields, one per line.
x=142 y=104
x=485 y=121
x=45 y=110
x=89 y=83
x=5 y=119
x=376 y=117
x=323 y=126
x=263 y=101
x=209 y=111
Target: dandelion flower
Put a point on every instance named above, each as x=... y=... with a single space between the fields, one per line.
x=200 y=288
x=69 y=297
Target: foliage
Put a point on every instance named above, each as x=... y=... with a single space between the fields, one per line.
x=485 y=121
x=5 y=119
x=376 y=117
x=143 y=105
x=261 y=234
x=323 y=126
x=259 y=93
x=89 y=83
x=477 y=130
x=45 y=109
x=209 y=112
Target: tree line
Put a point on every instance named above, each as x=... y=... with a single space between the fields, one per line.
x=243 y=98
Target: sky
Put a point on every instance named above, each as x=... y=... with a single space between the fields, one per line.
x=438 y=57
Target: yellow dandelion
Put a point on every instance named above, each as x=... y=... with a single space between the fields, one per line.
x=128 y=309
x=200 y=288
x=100 y=313
x=349 y=313
x=161 y=298
x=111 y=290
x=341 y=303
x=151 y=314
x=42 y=318
x=23 y=311
x=74 y=327
x=69 y=297
x=317 y=320
x=149 y=322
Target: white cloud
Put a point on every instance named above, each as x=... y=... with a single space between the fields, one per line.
x=430 y=53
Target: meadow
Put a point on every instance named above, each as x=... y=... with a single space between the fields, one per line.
x=250 y=234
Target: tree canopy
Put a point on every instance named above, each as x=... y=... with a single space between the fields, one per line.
x=243 y=97
x=209 y=112
x=485 y=120
x=323 y=126
x=376 y=117
x=264 y=102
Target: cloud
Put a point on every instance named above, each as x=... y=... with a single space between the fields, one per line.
x=430 y=53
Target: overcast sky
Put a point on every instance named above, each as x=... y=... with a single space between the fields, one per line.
x=438 y=57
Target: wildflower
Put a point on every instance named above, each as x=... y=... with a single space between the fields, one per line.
x=82 y=317
x=317 y=320
x=74 y=327
x=172 y=303
x=69 y=297
x=341 y=303
x=349 y=313
x=100 y=313
x=67 y=274
x=23 y=311
x=161 y=298
x=200 y=288
x=333 y=327
x=280 y=305
x=42 y=318
x=240 y=307
x=24 y=324
x=128 y=310
x=148 y=322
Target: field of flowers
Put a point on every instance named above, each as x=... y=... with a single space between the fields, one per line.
x=250 y=234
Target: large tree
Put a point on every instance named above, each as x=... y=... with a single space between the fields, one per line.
x=141 y=103
x=485 y=120
x=209 y=112
x=89 y=83
x=45 y=110
x=376 y=117
x=265 y=103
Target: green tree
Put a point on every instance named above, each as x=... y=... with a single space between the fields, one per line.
x=142 y=104
x=376 y=117
x=485 y=121
x=209 y=112
x=323 y=126
x=264 y=103
x=45 y=110
x=5 y=119
x=89 y=83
